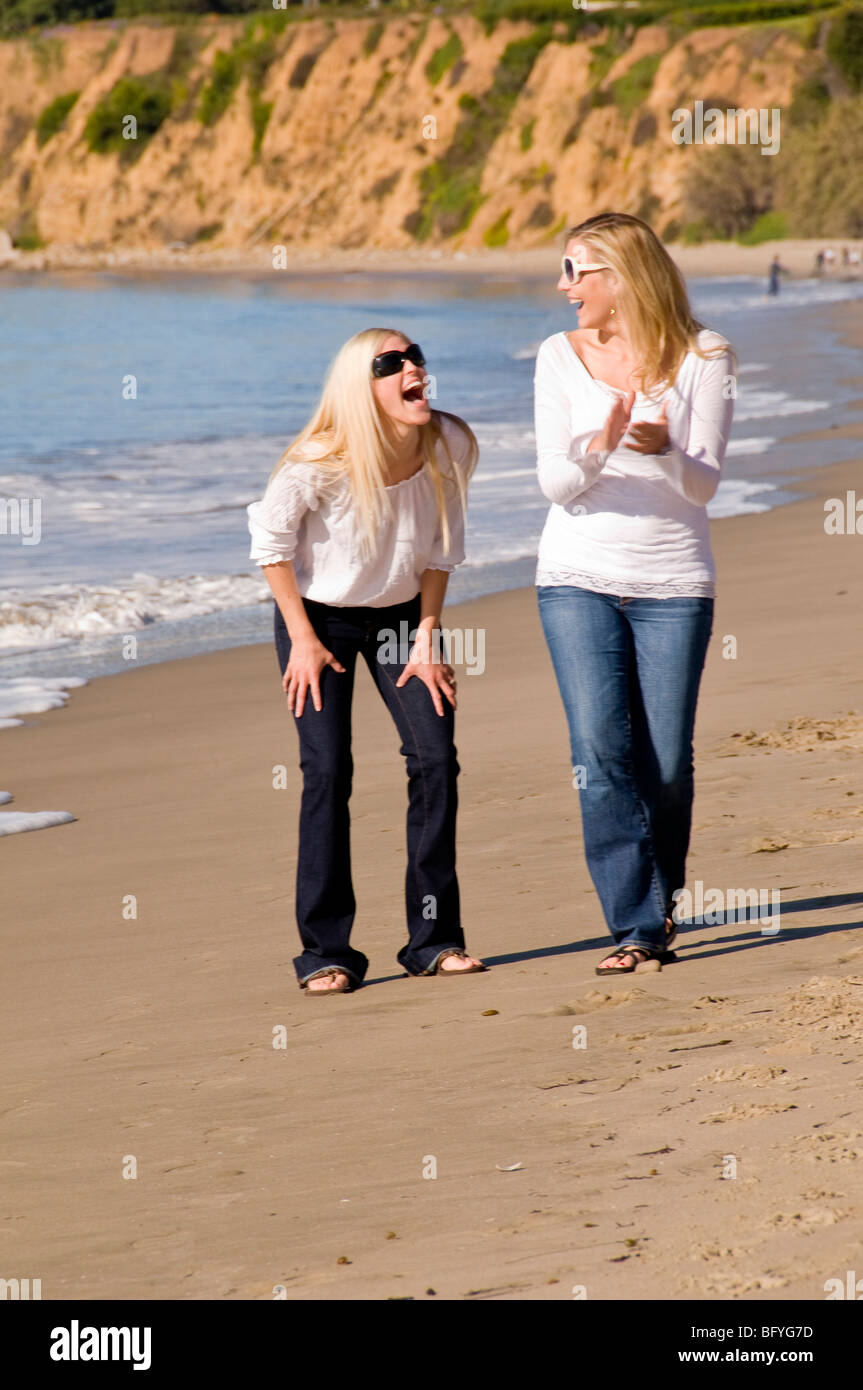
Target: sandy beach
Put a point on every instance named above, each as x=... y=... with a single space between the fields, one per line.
x=700 y=1138
x=715 y=258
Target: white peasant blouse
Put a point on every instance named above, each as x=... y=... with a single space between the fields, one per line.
x=306 y=516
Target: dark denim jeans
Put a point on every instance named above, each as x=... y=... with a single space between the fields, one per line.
x=325 y=895
x=628 y=671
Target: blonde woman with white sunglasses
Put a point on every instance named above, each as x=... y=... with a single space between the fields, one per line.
x=633 y=413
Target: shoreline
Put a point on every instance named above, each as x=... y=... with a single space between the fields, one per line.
x=712 y=260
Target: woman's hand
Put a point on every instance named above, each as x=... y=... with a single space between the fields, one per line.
x=650 y=437
x=434 y=674
x=308 y=659
x=615 y=426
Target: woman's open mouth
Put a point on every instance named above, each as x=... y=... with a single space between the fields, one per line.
x=414 y=392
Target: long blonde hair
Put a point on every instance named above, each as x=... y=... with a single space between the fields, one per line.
x=345 y=437
x=653 y=301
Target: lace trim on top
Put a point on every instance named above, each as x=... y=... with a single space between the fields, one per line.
x=628 y=588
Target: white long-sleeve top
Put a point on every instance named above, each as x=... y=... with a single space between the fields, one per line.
x=306 y=516
x=626 y=523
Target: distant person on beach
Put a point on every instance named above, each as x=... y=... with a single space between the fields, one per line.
x=633 y=412
x=774 y=275
x=359 y=528
x=819 y=263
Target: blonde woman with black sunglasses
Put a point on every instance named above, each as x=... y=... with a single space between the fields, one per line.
x=359 y=529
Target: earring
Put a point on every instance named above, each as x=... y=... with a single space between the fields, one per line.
x=612 y=310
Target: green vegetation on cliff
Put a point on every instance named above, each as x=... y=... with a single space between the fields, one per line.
x=53 y=118
x=812 y=187
x=450 y=186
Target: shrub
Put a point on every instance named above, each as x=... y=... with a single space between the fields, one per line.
x=845 y=46
x=216 y=96
x=443 y=58
x=261 y=111
x=208 y=231
x=731 y=186
x=148 y=99
x=25 y=231
x=770 y=226
x=53 y=118
x=809 y=103
x=373 y=37
x=498 y=233
x=525 y=139
x=694 y=233
x=634 y=86
x=818 y=187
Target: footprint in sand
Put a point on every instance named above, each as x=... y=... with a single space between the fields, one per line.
x=805 y=1221
x=829 y=1146
x=754 y=1076
x=746 y=1112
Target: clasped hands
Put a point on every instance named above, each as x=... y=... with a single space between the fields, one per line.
x=643 y=437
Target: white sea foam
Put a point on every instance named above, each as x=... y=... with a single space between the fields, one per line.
x=749 y=446
x=738 y=497
x=33 y=695
x=508 y=436
x=771 y=405
x=63 y=611
x=17 y=822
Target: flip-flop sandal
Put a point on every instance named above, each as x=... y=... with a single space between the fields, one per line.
x=619 y=955
x=471 y=969
x=347 y=988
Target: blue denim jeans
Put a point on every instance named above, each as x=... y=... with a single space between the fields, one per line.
x=628 y=671
x=325 y=896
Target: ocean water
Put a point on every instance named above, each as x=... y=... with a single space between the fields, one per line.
x=143 y=525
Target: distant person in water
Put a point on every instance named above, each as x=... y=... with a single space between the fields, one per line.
x=357 y=533
x=774 y=276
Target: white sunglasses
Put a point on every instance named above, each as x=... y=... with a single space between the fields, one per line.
x=574 y=271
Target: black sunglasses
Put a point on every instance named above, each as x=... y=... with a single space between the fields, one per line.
x=388 y=363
